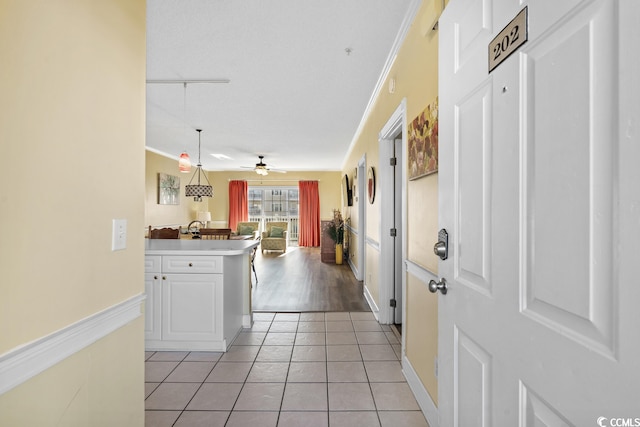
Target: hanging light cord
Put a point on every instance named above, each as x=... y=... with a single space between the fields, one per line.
x=199 y=166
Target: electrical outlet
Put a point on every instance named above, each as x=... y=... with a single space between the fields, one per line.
x=119 y=235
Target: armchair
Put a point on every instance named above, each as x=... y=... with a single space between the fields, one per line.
x=248 y=228
x=274 y=238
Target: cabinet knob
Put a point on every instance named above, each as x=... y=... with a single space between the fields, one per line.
x=164 y=277
x=190 y=264
x=155 y=277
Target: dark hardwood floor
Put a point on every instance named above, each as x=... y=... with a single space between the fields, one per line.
x=298 y=281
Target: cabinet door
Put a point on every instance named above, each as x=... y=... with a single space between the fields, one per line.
x=152 y=306
x=192 y=307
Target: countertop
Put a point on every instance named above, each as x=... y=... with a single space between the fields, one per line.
x=198 y=247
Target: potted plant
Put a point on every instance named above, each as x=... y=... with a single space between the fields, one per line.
x=335 y=230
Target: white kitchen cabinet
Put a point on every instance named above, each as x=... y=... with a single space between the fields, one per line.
x=153 y=303
x=195 y=304
x=192 y=307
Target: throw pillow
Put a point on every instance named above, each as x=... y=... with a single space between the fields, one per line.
x=246 y=230
x=277 y=232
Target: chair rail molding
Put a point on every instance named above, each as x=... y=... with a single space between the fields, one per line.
x=25 y=362
x=420 y=272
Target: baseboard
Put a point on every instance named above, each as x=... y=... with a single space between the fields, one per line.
x=372 y=304
x=247 y=321
x=354 y=270
x=23 y=363
x=421 y=394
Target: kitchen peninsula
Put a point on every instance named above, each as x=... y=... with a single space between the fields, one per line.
x=198 y=293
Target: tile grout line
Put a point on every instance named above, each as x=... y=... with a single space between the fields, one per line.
x=296 y=332
x=199 y=388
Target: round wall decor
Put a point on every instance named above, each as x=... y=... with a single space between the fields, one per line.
x=371 y=184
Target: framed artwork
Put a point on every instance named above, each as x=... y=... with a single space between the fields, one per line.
x=423 y=142
x=168 y=189
x=371 y=184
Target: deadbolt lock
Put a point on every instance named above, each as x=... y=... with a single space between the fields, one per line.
x=442 y=247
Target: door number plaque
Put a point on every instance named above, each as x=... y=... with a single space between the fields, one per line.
x=514 y=35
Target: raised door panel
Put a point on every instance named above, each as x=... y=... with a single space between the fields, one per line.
x=192 y=307
x=569 y=179
x=550 y=338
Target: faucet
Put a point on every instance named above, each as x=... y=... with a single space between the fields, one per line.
x=195 y=234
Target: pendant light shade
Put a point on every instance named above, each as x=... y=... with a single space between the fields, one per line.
x=198 y=191
x=184 y=163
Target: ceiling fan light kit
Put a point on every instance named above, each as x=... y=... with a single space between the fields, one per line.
x=261 y=168
x=198 y=191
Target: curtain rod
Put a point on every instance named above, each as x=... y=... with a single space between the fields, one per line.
x=159 y=81
x=274 y=180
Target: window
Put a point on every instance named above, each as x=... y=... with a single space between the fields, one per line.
x=269 y=204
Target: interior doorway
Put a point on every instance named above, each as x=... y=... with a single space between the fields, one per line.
x=397 y=225
x=392 y=219
x=361 y=201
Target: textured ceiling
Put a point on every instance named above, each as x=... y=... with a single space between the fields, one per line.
x=295 y=95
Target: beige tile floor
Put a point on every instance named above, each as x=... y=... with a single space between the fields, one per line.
x=290 y=369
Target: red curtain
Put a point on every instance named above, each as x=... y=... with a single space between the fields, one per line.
x=309 y=230
x=238 y=203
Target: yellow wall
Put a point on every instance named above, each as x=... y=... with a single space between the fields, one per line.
x=72 y=129
x=422 y=215
x=328 y=188
x=415 y=71
x=173 y=215
x=98 y=386
x=168 y=215
x=421 y=327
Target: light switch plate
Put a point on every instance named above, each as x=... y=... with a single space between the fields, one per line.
x=119 y=235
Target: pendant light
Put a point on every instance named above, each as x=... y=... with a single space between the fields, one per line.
x=184 y=162
x=198 y=191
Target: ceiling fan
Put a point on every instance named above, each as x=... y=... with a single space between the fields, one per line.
x=261 y=168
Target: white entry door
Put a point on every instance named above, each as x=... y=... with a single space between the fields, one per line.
x=539 y=179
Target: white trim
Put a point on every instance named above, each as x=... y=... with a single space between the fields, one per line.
x=421 y=273
x=25 y=362
x=373 y=244
x=391 y=58
x=421 y=394
x=362 y=215
x=354 y=269
x=396 y=124
x=247 y=321
x=354 y=232
x=372 y=303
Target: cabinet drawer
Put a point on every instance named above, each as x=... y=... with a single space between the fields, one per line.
x=192 y=264
x=152 y=264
